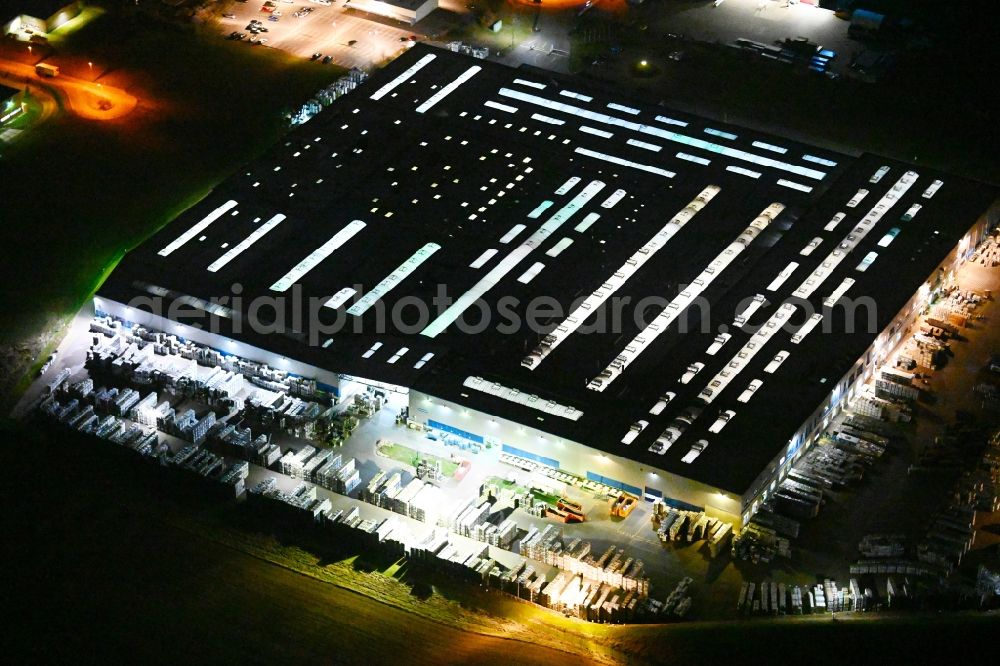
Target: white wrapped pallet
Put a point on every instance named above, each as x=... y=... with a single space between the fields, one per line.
x=368 y=495
x=506 y=534
x=401 y=502
x=426 y=504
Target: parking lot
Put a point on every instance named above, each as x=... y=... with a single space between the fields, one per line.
x=349 y=38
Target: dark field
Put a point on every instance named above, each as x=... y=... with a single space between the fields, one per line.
x=77 y=194
x=125 y=560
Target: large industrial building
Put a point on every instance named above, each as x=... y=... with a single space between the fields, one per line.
x=706 y=297
x=407 y=11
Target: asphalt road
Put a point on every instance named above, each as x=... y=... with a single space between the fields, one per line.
x=87 y=99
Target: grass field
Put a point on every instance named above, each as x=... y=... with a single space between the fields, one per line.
x=539 y=495
x=77 y=194
x=408 y=456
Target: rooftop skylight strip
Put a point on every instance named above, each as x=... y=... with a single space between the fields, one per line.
x=856 y=235
x=858 y=197
x=423 y=360
x=782 y=276
x=216 y=309
x=526 y=399
x=819 y=160
x=623 y=108
x=398 y=355
x=743 y=172
x=530 y=84
x=769 y=146
x=508 y=263
x=568 y=185
x=318 y=255
x=340 y=297
x=680 y=303
x=671 y=121
x=615 y=197
x=500 y=107
x=539 y=209
x=694 y=158
x=197 y=228
x=742 y=358
x=448 y=89
x=587 y=220
x=483 y=258
x=557 y=249
x=530 y=274
x=834 y=221
x=244 y=244
x=867 y=262
x=794 y=186
x=734 y=153
x=624 y=162
x=393 y=279
x=889 y=236
x=547 y=119
x=932 y=189
x=812 y=245
x=600 y=295
x=646 y=146
x=596 y=132
x=576 y=95
x=806 y=328
x=841 y=289
x=402 y=78
x=746 y=313
x=514 y=231
x=720 y=133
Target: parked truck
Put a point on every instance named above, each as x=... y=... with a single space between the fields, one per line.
x=46 y=70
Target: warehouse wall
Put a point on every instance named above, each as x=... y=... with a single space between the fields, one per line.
x=574 y=457
x=404 y=14
x=863 y=369
x=217 y=342
x=44 y=24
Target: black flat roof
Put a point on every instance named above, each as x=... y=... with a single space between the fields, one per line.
x=440 y=156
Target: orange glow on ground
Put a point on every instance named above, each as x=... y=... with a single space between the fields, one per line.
x=613 y=6
x=93 y=101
